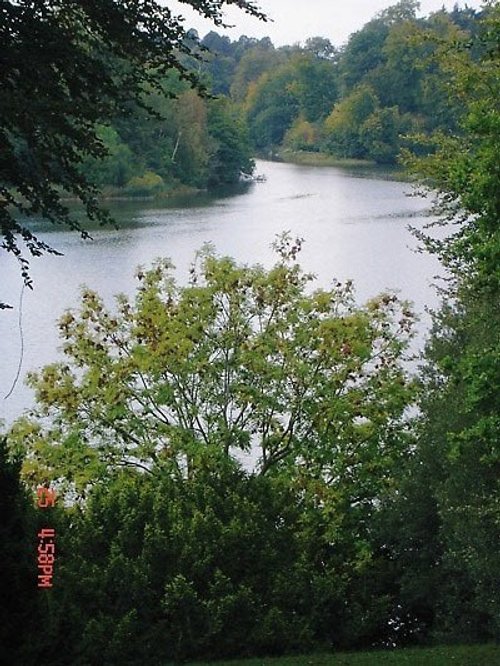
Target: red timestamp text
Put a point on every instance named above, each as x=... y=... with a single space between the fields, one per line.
x=46 y=547
x=46 y=556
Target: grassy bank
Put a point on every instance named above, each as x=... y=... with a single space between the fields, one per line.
x=167 y=191
x=361 y=167
x=462 y=655
x=320 y=159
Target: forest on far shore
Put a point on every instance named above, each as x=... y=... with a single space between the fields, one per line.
x=366 y=100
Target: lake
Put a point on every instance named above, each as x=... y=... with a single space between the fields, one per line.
x=354 y=222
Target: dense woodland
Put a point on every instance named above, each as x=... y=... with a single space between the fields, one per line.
x=371 y=517
x=365 y=100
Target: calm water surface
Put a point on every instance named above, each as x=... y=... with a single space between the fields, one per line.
x=355 y=224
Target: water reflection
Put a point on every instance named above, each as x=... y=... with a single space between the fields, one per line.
x=354 y=224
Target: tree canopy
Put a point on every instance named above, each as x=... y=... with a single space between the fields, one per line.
x=300 y=97
x=241 y=360
x=459 y=439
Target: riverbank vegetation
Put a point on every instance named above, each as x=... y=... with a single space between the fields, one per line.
x=194 y=142
x=240 y=467
x=362 y=101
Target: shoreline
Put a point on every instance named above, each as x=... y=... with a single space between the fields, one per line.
x=124 y=194
x=307 y=158
x=319 y=160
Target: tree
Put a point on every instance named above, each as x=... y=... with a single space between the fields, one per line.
x=191 y=148
x=230 y=149
x=343 y=126
x=302 y=135
x=412 y=76
x=363 y=53
x=315 y=85
x=458 y=448
x=380 y=135
x=304 y=85
x=94 y=60
x=272 y=107
x=321 y=47
x=117 y=167
x=242 y=360
x=463 y=166
x=404 y=10
x=254 y=61
x=464 y=375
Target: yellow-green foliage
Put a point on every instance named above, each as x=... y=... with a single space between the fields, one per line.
x=149 y=183
x=302 y=135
